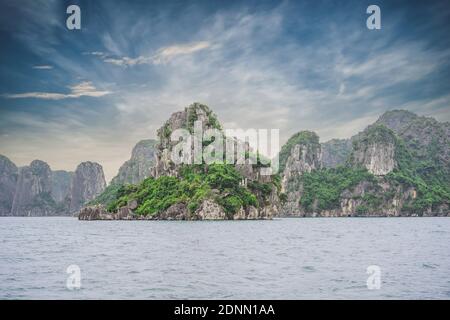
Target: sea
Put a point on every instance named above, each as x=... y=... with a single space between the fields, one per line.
x=286 y=258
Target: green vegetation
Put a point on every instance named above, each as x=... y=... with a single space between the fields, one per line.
x=377 y=134
x=192 y=117
x=302 y=137
x=196 y=183
x=109 y=195
x=427 y=177
x=44 y=200
x=322 y=189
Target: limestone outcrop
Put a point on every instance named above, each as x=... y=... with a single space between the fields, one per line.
x=191 y=190
x=8 y=181
x=375 y=150
x=87 y=183
x=33 y=191
x=140 y=164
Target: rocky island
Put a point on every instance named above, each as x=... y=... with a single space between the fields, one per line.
x=190 y=192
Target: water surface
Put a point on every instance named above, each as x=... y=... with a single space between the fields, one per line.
x=322 y=258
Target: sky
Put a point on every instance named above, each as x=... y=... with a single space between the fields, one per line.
x=68 y=96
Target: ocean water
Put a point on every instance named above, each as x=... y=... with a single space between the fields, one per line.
x=309 y=258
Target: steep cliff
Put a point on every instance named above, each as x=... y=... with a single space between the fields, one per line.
x=427 y=139
x=336 y=152
x=61 y=184
x=139 y=166
x=389 y=172
x=185 y=119
x=87 y=183
x=302 y=153
x=375 y=150
x=33 y=191
x=8 y=183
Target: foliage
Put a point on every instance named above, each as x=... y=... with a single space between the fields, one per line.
x=302 y=137
x=212 y=121
x=221 y=183
x=362 y=209
x=376 y=134
x=44 y=200
x=322 y=189
x=107 y=196
x=426 y=176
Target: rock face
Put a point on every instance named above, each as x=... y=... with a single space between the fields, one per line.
x=335 y=152
x=8 y=183
x=164 y=166
x=100 y=213
x=61 y=183
x=428 y=139
x=87 y=183
x=305 y=156
x=139 y=166
x=33 y=191
x=397 y=120
x=36 y=190
x=424 y=136
x=375 y=150
x=209 y=210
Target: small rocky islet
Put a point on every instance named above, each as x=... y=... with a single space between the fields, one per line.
x=398 y=166
x=191 y=192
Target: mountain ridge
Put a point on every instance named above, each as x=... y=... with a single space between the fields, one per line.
x=397 y=166
x=36 y=190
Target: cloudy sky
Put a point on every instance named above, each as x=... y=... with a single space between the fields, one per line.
x=91 y=94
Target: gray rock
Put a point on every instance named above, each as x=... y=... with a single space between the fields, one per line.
x=375 y=150
x=305 y=156
x=87 y=183
x=139 y=166
x=8 y=183
x=428 y=139
x=210 y=210
x=180 y=120
x=335 y=152
x=33 y=191
x=61 y=183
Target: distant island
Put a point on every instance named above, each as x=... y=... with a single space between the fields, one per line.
x=398 y=166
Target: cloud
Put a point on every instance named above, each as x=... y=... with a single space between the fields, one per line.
x=296 y=85
x=43 y=67
x=97 y=53
x=163 y=55
x=170 y=52
x=85 y=88
x=276 y=67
